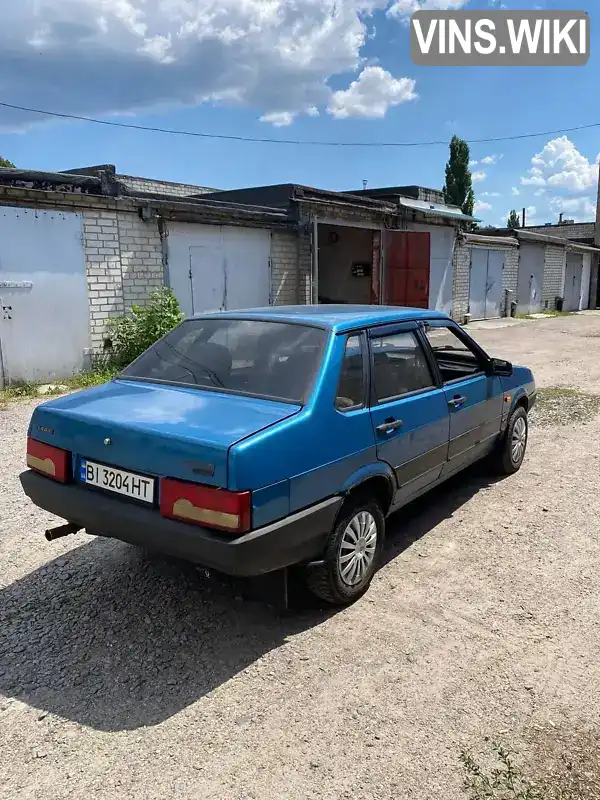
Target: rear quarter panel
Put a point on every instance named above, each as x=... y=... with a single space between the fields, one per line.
x=317 y=453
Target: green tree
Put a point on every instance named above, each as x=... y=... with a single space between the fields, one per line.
x=4 y=162
x=458 y=189
x=513 y=220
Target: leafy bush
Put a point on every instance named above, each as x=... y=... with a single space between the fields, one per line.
x=137 y=330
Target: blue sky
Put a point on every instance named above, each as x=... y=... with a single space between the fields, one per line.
x=336 y=70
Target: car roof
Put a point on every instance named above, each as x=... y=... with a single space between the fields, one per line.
x=338 y=318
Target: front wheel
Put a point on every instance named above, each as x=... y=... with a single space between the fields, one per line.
x=511 y=448
x=352 y=554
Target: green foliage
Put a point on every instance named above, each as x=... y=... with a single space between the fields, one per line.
x=502 y=782
x=513 y=220
x=4 y=162
x=137 y=330
x=458 y=189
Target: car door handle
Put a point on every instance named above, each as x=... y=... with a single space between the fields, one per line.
x=458 y=400
x=389 y=425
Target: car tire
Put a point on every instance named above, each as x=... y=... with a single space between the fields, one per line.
x=352 y=554
x=511 y=448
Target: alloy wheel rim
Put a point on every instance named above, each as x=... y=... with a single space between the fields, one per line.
x=357 y=548
x=519 y=440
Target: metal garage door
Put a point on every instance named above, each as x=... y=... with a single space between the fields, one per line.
x=407 y=257
x=531 y=278
x=586 y=273
x=44 y=324
x=218 y=268
x=485 y=283
x=573 y=276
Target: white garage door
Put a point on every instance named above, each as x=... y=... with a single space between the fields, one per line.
x=218 y=268
x=440 y=265
x=44 y=319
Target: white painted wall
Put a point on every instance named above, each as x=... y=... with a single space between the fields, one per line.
x=218 y=267
x=440 y=275
x=44 y=329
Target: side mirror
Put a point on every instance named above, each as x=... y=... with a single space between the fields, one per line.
x=497 y=366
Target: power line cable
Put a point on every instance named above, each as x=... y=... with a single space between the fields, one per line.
x=308 y=142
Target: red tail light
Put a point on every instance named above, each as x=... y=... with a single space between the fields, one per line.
x=203 y=505
x=47 y=460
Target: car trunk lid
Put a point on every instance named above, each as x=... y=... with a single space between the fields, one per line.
x=155 y=429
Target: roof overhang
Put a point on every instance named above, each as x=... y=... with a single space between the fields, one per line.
x=435 y=209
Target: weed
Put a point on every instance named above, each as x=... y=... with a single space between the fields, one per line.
x=559 y=405
x=563 y=764
x=502 y=781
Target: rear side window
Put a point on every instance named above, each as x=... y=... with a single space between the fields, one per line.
x=251 y=357
x=399 y=366
x=351 y=387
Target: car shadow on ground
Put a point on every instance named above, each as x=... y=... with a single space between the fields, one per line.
x=115 y=639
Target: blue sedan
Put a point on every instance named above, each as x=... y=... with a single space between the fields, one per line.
x=252 y=441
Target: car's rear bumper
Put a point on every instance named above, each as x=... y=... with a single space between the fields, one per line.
x=295 y=539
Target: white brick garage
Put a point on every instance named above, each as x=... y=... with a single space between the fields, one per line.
x=218 y=267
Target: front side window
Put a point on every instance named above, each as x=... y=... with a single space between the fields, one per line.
x=454 y=357
x=252 y=357
x=399 y=366
x=350 y=391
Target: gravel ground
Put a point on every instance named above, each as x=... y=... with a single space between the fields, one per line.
x=124 y=676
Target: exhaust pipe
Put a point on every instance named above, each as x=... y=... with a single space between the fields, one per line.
x=62 y=530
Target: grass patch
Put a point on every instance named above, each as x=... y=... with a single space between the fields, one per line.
x=563 y=765
x=25 y=390
x=548 y=312
x=558 y=405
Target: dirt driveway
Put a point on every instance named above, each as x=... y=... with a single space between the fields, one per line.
x=124 y=677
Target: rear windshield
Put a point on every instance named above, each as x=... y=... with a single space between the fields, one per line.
x=252 y=357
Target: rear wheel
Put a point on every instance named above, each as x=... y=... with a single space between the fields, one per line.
x=352 y=554
x=511 y=448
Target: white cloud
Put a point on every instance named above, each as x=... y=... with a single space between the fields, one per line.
x=402 y=9
x=581 y=209
x=481 y=205
x=473 y=162
x=561 y=166
x=278 y=118
x=491 y=194
x=478 y=176
x=515 y=192
x=371 y=94
x=96 y=57
x=492 y=159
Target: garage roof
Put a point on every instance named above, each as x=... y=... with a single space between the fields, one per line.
x=436 y=209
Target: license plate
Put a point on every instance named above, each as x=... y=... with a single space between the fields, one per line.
x=117 y=480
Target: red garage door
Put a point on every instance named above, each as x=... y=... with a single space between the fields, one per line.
x=407 y=268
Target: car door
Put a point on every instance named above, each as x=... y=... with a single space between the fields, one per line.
x=474 y=398
x=409 y=411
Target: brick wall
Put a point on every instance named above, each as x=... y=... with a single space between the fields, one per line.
x=284 y=268
x=461 y=264
x=103 y=265
x=149 y=186
x=141 y=258
x=580 y=230
x=554 y=274
x=124 y=264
